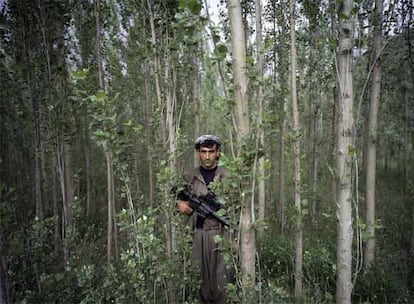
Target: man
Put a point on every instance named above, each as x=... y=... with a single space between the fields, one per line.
x=205 y=251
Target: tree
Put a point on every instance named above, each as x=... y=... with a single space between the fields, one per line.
x=371 y=159
x=344 y=154
x=111 y=243
x=240 y=83
x=280 y=68
x=260 y=97
x=296 y=157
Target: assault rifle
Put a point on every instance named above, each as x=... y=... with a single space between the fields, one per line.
x=205 y=206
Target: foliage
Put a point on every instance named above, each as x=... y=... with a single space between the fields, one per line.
x=49 y=95
x=381 y=285
x=143 y=269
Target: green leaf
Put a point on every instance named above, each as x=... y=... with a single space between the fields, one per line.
x=99 y=134
x=217 y=239
x=194 y=7
x=221 y=50
x=352 y=150
x=221 y=212
x=80 y=74
x=100 y=95
x=128 y=123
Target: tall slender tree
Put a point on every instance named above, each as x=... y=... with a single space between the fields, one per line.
x=344 y=154
x=280 y=76
x=240 y=86
x=111 y=244
x=296 y=157
x=371 y=157
x=260 y=98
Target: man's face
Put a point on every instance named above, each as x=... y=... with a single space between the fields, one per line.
x=208 y=157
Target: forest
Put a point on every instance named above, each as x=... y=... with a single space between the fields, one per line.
x=100 y=104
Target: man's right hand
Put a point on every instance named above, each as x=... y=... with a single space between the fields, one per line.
x=184 y=207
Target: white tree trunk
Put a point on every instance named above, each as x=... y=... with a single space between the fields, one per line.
x=240 y=78
x=240 y=81
x=296 y=155
x=170 y=121
x=344 y=154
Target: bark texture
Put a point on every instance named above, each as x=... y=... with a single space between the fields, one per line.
x=344 y=154
x=240 y=81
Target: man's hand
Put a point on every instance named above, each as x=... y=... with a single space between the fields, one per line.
x=184 y=207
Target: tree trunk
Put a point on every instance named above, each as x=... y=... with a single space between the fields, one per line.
x=46 y=95
x=171 y=124
x=60 y=163
x=280 y=207
x=196 y=103
x=240 y=81
x=334 y=132
x=157 y=68
x=86 y=153
x=37 y=146
x=148 y=123
x=412 y=223
x=281 y=182
x=112 y=243
x=296 y=155
x=371 y=157
x=64 y=168
x=317 y=126
x=111 y=228
x=38 y=161
x=344 y=155
x=315 y=101
x=407 y=97
x=171 y=140
x=335 y=92
x=56 y=212
x=167 y=130
x=260 y=131
x=69 y=183
x=5 y=295
x=97 y=11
